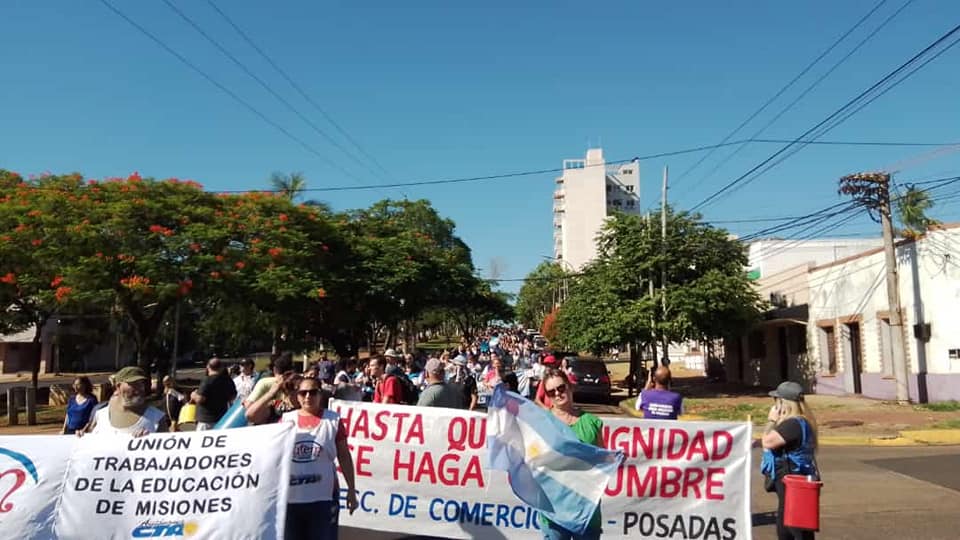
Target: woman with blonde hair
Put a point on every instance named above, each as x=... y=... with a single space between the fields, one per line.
x=790 y=438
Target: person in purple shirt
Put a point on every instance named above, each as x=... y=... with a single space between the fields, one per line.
x=656 y=400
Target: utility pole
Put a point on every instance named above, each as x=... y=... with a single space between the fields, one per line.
x=873 y=191
x=663 y=264
x=653 y=317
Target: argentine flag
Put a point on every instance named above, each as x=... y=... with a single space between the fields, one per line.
x=547 y=466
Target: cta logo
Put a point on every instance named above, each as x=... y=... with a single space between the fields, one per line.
x=306 y=451
x=165 y=529
x=15 y=470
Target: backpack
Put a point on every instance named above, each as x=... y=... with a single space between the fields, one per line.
x=411 y=394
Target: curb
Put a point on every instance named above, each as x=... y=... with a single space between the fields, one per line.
x=912 y=437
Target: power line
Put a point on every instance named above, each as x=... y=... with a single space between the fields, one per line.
x=849 y=114
x=223 y=50
x=555 y=170
x=614 y=162
x=223 y=88
x=784 y=88
x=737 y=182
x=808 y=89
x=297 y=87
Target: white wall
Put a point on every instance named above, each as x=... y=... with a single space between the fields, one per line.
x=857 y=289
x=585 y=204
x=774 y=256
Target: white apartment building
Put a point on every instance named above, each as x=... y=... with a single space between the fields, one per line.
x=587 y=192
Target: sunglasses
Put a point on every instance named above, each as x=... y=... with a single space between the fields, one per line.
x=311 y=393
x=552 y=392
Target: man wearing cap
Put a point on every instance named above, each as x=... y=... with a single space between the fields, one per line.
x=657 y=400
x=127 y=413
x=245 y=381
x=392 y=363
x=465 y=380
x=438 y=393
x=214 y=395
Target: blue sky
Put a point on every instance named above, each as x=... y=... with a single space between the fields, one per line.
x=449 y=89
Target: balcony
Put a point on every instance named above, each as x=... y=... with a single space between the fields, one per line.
x=558 y=194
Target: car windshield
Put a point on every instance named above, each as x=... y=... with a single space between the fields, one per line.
x=590 y=368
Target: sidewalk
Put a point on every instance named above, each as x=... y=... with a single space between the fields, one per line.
x=841 y=420
x=23 y=377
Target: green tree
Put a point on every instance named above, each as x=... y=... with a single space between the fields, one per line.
x=912 y=207
x=36 y=281
x=539 y=294
x=288 y=185
x=707 y=292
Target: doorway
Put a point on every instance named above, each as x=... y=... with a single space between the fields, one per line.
x=854 y=354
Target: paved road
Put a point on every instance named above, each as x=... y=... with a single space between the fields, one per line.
x=869 y=493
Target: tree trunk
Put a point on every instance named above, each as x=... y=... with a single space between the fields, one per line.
x=38 y=347
x=666 y=351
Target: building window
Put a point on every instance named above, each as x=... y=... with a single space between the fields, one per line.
x=886 y=348
x=630 y=189
x=617 y=202
x=828 y=350
x=626 y=171
x=630 y=203
x=609 y=187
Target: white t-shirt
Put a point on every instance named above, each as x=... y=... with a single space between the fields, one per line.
x=150 y=422
x=244 y=384
x=312 y=469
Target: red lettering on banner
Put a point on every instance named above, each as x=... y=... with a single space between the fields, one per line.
x=669 y=443
x=358 y=426
x=379 y=419
x=691 y=481
x=674 y=451
x=725 y=435
x=670 y=482
x=361 y=460
x=461 y=434
x=667 y=482
x=416 y=431
x=446 y=471
x=715 y=483
x=698 y=446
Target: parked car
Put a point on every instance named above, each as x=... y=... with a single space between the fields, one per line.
x=591 y=379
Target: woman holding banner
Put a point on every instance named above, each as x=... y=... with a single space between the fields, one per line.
x=313 y=500
x=791 y=436
x=588 y=428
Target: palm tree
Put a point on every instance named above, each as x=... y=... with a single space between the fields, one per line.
x=289 y=185
x=912 y=206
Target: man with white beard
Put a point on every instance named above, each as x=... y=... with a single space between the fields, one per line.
x=128 y=412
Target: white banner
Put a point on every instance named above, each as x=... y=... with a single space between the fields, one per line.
x=423 y=471
x=31 y=474
x=201 y=485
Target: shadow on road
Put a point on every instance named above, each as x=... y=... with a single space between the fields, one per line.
x=700 y=387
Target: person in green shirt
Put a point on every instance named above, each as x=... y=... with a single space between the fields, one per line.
x=588 y=429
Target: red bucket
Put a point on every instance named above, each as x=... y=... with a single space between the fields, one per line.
x=801 y=507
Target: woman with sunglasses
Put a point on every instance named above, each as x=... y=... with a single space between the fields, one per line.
x=313 y=505
x=587 y=427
